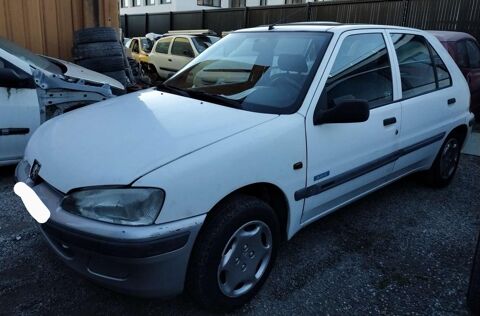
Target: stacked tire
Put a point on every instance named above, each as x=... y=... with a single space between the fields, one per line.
x=100 y=50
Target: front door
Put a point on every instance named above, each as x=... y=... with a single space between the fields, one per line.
x=182 y=53
x=346 y=160
x=19 y=110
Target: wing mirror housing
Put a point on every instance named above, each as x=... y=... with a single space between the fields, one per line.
x=9 y=78
x=345 y=111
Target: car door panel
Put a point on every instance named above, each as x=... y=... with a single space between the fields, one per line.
x=160 y=57
x=349 y=159
x=179 y=58
x=19 y=117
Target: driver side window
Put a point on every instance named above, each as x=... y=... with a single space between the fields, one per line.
x=361 y=71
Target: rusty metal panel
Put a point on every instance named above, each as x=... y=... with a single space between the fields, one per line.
x=47 y=26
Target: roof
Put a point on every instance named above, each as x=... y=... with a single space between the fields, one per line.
x=448 y=36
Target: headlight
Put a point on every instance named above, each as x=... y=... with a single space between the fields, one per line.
x=125 y=206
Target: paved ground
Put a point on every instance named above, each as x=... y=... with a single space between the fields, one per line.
x=407 y=249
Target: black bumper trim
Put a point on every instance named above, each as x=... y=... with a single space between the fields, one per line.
x=139 y=248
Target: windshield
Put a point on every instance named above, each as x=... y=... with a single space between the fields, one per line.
x=203 y=42
x=268 y=72
x=34 y=60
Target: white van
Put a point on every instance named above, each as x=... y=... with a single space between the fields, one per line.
x=193 y=185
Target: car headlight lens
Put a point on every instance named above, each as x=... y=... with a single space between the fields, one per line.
x=125 y=206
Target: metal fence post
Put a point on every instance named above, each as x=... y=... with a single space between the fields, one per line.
x=245 y=17
x=146 y=24
x=170 y=16
x=406 y=11
x=125 y=31
x=203 y=19
x=309 y=11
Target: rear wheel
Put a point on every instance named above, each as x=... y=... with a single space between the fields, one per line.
x=445 y=165
x=234 y=254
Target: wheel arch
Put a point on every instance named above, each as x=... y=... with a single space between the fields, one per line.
x=462 y=131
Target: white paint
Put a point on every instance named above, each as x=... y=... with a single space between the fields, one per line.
x=32 y=202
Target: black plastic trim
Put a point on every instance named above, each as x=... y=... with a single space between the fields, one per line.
x=139 y=248
x=363 y=169
x=14 y=131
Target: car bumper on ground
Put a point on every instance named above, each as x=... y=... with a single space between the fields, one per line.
x=148 y=261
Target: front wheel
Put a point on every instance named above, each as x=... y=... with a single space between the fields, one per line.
x=446 y=163
x=234 y=254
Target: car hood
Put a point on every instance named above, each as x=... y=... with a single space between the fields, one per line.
x=117 y=141
x=79 y=72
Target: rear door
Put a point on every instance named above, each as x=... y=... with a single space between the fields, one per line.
x=349 y=159
x=428 y=100
x=181 y=52
x=19 y=108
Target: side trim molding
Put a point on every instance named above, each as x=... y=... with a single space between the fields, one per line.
x=14 y=131
x=363 y=169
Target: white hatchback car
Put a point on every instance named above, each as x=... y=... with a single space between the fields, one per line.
x=34 y=89
x=194 y=184
x=172 y=52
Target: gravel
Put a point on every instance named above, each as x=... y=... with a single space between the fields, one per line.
x=406 y=249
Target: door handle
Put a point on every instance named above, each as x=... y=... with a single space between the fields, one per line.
x=452 y=101
x=389 y=121
x=169 y=60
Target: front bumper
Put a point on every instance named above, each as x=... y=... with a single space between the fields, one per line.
x=149 y=261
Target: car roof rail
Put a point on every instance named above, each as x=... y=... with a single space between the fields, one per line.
x=204 y=32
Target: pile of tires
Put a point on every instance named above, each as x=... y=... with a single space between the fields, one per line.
x=100 y=50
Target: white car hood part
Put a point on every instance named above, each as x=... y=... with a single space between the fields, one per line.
x=119 y=140
x=79 y=72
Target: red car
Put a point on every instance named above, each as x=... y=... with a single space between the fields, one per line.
x=465 y=51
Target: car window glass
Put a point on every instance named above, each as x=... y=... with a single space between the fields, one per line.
x=135 y=47
x=416 y=67
x=181 y=47
x=462 y=54
x=146 y=45
x=361 y=71
x=163 y=45
x=473 y=54
x=443 y=75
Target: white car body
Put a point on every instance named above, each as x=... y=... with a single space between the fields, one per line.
x=23 y=110
x=199 y=153
x=167 y=63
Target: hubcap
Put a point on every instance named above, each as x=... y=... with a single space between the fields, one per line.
x=245 y=259
x=449 y=158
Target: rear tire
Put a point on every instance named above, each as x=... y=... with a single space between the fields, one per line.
x=96 y=34
x=234 y=254
x=445 y=165
x=473 y=296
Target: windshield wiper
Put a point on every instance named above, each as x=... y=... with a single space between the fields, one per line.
x=167 y=88
x=214 y=98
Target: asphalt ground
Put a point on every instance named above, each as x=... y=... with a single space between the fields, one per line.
x=406 y=249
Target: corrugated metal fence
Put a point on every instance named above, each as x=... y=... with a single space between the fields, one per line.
x=47 y=26
x=456 y=15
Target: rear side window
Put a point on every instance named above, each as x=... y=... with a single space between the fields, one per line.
x=361 y=71
x=181 y=46
x=473 y=54
x=421 y=68
x=163 y=45
x=443 y=76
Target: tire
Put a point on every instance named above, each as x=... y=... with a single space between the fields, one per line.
x=473 y=296
x=120 y=76
x=103 y=64
x=92 y=50
x=206 y=280
x=440 y=176
x=96 y=34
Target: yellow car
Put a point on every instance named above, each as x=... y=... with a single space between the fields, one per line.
x=139 y=48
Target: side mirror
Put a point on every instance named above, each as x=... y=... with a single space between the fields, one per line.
x=9 y=78
x=345 y=111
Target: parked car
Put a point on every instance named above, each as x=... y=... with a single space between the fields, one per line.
x=36 y=88
x=140 y=48
x=195 y=183
x=172 y=52
x=465 y=51
x=473 y=296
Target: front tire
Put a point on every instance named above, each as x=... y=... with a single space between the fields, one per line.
x=233 y=254
x=445 y=165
